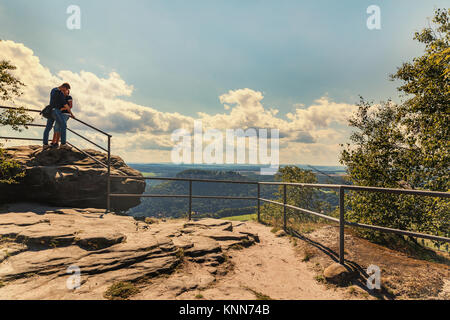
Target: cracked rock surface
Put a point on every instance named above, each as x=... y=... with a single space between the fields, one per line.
x=40 y=248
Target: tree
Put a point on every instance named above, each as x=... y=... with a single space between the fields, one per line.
x=10 y=88
x=305 y=198
x=406 y=145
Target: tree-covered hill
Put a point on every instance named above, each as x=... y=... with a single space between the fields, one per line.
x=177 y=207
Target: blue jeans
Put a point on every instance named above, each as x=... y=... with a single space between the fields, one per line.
x=66 y=117
x=58 y=117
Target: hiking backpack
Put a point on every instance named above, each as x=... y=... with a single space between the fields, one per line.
x=47 y=112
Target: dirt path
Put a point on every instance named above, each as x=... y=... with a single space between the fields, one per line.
x=269 y=268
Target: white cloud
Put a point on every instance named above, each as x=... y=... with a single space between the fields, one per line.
x=142 y=133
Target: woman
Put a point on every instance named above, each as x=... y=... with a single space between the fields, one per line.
x=66 y=113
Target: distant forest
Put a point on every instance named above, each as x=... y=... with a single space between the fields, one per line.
x=217 y=208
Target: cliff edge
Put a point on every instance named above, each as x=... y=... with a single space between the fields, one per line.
x=69 y=178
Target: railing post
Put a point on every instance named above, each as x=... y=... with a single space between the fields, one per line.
x=108 y=182
x=341 y=224
x=259 y=202
x=190 y=199
x=284 y=208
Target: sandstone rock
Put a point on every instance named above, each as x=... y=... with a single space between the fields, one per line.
x=211 y=223
x=222 y=235
x=11 y=249
x=202 y=246
x=280 y=233
x=337 y=274
x=69 y=178
x=40 y=248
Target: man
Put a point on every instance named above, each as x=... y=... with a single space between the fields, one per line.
x=58 y=103
x=66 y=115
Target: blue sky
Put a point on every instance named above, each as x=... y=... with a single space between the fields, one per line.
x=181 y=56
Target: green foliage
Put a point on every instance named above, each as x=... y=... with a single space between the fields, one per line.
x=16 y=118
x=121 y=291
x=10 y=171
x=216 y=208
x=10 y=87
x=258 y=295
x=306 y=198
x=406 y=145
x=234 y=212
x=245 y=217
x=425 y=115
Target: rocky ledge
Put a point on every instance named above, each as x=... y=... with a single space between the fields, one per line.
x=69 y=178
x=41 y=248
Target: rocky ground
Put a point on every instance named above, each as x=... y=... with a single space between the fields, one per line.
x=42 y=247
x=405 y=273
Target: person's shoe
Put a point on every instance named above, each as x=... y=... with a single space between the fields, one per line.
x=54 y=145
x=45 y=147
x=65 y=147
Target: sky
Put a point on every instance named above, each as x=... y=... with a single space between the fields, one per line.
x=142 y=69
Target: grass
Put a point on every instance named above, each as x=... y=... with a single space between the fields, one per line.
x=308 y=253
x=320 y=278
x=245 y=217
x=149 y=174
x=199 y=296
x=275 y=229
x=307 y=227
x=259 y=295
x=121 y=291
x=293 y=241
x=180 y=253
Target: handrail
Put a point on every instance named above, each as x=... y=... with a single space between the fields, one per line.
x=108 y=150
x=86 y=139
x=92 y=127
x=425 y=193
x=185 y=179
x=298 y=184
x=89 y=156
x=26 y=139
x=324 y=216
x=190 y=196
x=341 y=220
x=15 y=108
x=76 y=119
x=363 y=188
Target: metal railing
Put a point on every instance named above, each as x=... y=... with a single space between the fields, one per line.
x=106 y=165
x=341 y=189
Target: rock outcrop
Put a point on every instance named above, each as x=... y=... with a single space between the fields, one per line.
x=39 y=248
x=69 y=178
x=337 y=274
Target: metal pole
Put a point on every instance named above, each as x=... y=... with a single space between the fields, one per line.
x=259 y=203
x=341 y=224
x=108 y=182
x=190 y=199
x=284 y=207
